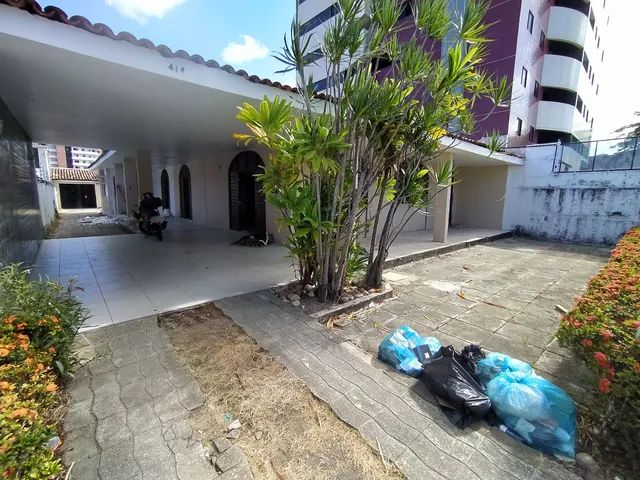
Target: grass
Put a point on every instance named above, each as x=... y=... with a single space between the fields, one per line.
x=287 y=433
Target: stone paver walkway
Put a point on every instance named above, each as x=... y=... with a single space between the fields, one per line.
x=395 y=413
x=128 y=416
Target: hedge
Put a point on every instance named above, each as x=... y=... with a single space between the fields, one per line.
x=604 y=329
x=38 y=322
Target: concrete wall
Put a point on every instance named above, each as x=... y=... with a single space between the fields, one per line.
x=478 y=198
x=20 y=221
x=588 y=207
x=47 y=203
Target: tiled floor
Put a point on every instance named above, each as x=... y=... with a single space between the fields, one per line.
x=125 y=277
x=128 y=276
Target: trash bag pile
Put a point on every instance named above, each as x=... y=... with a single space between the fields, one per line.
x=470 y=386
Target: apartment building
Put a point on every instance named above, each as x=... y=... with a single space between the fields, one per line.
x=52 y=156
x=552 y=51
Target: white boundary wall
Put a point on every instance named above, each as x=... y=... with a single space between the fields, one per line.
x=585 y=207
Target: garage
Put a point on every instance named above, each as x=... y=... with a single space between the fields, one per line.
x=76 y=188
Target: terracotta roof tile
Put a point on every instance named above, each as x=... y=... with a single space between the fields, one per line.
x=75 y=174
x=58 y=15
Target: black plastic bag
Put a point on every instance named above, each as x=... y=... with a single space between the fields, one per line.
x=460 y=396
x=470 y=355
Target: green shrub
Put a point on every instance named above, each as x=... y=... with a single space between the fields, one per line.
x=38 y=322
x=604 y=329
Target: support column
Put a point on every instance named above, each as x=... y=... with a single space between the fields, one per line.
x=442 y=207
x=132 y=195
x=143 y=166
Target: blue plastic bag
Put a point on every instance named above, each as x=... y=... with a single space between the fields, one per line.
x=397 y=350
x=496 y=363
x=541 y=413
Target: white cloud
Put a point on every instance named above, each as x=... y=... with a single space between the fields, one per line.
x=142 y=10
x=239 y=53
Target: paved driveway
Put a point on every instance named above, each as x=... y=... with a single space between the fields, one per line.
x=125 y=277
x=501 y=295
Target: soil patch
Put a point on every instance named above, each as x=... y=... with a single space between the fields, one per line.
x=286 y=432
x=74 y=225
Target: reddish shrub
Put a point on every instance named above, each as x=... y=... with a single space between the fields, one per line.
x=604 y=329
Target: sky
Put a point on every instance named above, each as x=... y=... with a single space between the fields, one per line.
x=244 y=34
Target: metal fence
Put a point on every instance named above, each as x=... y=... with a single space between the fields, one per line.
x=598 y=156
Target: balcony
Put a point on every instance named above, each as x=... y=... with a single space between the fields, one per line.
x=561 y=72
x=567 y=25
x=560 y=117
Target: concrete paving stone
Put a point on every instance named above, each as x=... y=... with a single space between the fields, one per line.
x=118 y=462
x=349 y=413
x=141 y=418
x=128 y=374
x=179 y=377
x=160 y=471
x=465 y=331
x=221 y=444
x=492 y=311
x=515 y=348
x=80 y=444
x=426 y=316
x=105 y=383
x=484 y=468
x=396 y=426
x=191 y=464
x=85 y=469
x=453 y=441
x=123 y=356
x=230 y=458
x=439 y=460
x=239 y=472
x=168 y=407
x=145 y=351
x=498 y=456
x=134 y=394
x=415 y=469
x=381 y=441
x=112 y=430
x=482 y=320
x=361 y=400
x=101 y=365
x=190 y=396
x=79 y=415
x=571 y=369
x=545 y=325
x=445 y=308
x=526 y=335
x=150 y=448
x=79 y=390
x=397 y=307
x=158 y=385
x=106 y=405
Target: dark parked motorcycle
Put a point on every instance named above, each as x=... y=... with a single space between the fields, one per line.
x=150 y=222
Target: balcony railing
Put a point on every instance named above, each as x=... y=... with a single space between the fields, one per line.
x=598 y=156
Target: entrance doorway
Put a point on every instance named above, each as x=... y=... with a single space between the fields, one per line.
x=246 y=200
x=164 y=190
x=185 y=192
x=77 y=195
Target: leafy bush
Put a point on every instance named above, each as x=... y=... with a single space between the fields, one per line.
x=38 y=322
x=604 y=329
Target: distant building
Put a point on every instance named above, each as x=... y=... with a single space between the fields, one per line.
x=52 y=156
x=550 y=50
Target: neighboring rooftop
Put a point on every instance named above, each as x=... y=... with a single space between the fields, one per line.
x=75 y=174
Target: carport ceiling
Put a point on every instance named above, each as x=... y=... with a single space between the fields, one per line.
x=71 y=87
